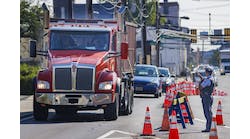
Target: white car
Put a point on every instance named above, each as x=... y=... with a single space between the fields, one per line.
x=196 y=78
x=166 y=79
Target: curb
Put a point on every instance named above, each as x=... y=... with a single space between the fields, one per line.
x=25 y=115
x=24 y=97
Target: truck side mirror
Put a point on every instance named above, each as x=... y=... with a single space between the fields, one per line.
x=124 y=50
x=32 y=48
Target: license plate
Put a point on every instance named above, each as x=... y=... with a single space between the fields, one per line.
x=139 y=88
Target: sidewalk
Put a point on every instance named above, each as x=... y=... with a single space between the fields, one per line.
x=26 y=105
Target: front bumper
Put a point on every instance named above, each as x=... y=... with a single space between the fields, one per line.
x=146 y=89
x=74 y=99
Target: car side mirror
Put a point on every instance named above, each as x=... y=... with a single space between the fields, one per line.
x=32 y=47
x=173 y=76
x=124 y=51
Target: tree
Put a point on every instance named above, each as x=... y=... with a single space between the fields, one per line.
x=30 y=23
x=135 y=10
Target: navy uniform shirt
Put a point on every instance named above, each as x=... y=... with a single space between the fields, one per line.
x=206 y=82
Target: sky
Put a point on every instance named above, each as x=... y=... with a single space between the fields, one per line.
x=239 y=78
x=198 y=12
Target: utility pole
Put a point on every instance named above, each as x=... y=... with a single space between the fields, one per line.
x=202 y=54
x=158 y=35
x=89 y=9
x=209 y=33
x=143 y=32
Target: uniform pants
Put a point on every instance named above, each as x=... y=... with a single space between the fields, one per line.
x=207 y=102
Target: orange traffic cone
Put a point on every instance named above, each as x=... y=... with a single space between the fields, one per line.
x=213 y=130
x=165 y=121
x=214 y=92
x=168 y=99
x=219 y=118
x=184 y=113
x=147 y=128
x=173 y=133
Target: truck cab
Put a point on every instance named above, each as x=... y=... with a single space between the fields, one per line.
x=84 y=70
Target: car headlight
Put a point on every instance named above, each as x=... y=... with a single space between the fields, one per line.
x=43 y=84
x=105 y=85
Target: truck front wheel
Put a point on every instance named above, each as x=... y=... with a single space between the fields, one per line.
x=111 y=111
x=40 y=113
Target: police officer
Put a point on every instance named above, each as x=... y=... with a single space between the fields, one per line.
x=206 y=87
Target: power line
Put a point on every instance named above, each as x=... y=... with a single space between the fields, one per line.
x=207 y=7
x=196 y=26
x=134 y=20
x=200 y=13
x=213 y=0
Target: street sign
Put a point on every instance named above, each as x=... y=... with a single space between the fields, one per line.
x=204 y=35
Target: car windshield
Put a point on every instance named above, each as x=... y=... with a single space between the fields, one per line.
x=164 y=72
x=79 y=40
x=145 y=71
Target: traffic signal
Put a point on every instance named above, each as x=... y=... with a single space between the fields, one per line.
x=226 y=34
x=194 y=36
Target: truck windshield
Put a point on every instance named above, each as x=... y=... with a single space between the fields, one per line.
x=79 y=40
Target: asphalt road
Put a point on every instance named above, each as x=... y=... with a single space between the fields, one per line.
x=90 y=124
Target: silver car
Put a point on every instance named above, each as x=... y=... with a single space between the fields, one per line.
x=196 y=79
x=166 y=78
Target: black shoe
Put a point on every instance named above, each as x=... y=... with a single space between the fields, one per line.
x=205 y=130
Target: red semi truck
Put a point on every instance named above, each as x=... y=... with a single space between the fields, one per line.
x=88 y=68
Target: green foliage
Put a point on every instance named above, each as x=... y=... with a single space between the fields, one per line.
x=30 y=23
x=27 y=73
x=215 y=59
x=150 y=12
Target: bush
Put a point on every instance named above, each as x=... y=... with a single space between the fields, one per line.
x=27 y=73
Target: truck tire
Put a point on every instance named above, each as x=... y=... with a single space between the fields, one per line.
x=157 y=95
x=40 y=113
x=112 y=110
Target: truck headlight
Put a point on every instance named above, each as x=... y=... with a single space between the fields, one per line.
x=43 y=84
x=105 y=85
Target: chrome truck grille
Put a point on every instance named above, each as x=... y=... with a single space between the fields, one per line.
x=72 y=78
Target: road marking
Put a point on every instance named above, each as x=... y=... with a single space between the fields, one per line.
x=205 y=122
x=200 y=120
x=226 y=126
x=27 y=118
x=113 y=131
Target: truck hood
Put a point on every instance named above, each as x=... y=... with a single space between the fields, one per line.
x=78 y=56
